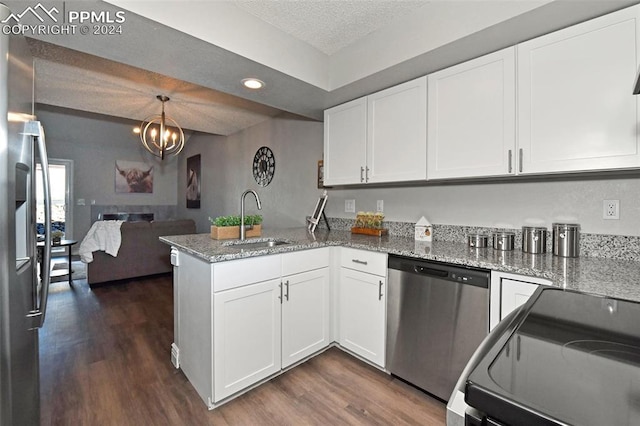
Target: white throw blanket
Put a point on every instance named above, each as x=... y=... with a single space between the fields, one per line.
x=104 y=235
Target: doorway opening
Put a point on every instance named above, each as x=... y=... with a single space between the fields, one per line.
x=61 y=177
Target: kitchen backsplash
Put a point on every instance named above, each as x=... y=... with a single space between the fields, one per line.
x=591 y=245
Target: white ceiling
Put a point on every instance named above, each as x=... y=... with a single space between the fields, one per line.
x=312 y=53
x=330 y=25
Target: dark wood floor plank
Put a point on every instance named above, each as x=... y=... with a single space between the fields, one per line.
x=105 y=360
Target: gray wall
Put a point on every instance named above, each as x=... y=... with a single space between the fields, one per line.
x=227 y=171
x=94 y=142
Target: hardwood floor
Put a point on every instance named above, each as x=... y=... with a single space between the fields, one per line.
x=105 y=360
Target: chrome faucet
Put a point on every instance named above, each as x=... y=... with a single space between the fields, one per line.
x=242 y=197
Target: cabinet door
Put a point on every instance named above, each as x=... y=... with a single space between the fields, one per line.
x=362 y=314
x=247 y=336
x=575 y=106
x=513 y=295
x=397 y=133
x=305 y=315
x=345 y=140
x=472 y=122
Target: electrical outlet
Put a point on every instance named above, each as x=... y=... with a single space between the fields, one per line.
x=380 y=206
x=611 y=209
x=349 y=206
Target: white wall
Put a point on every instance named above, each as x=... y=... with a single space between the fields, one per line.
x=94 y=142
x=227 y=171
x=506 y=204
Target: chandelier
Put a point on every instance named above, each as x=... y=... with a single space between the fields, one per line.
x=161 y=135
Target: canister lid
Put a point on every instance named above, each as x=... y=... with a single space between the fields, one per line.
x=504 y=234
x=533 y=228
x=566 y=226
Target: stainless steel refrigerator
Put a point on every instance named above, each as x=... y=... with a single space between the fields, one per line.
x=23 y=292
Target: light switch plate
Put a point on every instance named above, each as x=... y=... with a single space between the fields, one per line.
x=349 y=206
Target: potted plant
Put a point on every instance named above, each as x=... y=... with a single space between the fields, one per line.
x=56 y=236
x=228 y=227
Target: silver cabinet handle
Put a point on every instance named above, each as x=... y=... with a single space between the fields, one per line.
x=518 y=349
x=510 y=164
x=380 y=290
x=286 y=295
x=521 y=154
x=280 y=297
x=361 y=262
x=366 y=174
x=361 y=174
x=37 y=315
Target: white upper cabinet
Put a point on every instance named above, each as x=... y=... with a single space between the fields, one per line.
x=345 y=143
x=397 y=133
x=575 y=106
x=472 y=121
x=378 y=138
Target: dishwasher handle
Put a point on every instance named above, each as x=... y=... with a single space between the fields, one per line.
x=423 y=270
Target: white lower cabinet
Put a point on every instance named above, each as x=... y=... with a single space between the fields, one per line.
x=305 y=315
x=246 y=330
x=362 y=310
x=260 y=328
x=514 y=294
x=509 y=292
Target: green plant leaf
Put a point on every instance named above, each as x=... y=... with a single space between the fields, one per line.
x=234 y=220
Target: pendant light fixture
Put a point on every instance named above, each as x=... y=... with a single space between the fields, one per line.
x=161 y=135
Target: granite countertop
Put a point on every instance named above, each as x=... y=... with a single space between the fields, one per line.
x=609 y=277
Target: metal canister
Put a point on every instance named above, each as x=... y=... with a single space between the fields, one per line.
x=566 y=239
x=503 y=240
x=534 y=239
x=478 y=240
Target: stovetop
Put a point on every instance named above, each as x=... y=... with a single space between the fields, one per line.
x=571 y=358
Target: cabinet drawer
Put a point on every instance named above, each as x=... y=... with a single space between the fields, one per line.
x=236 y=273
x=306 y=260
x=365 y=261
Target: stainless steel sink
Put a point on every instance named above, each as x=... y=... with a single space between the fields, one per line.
x=256 y=244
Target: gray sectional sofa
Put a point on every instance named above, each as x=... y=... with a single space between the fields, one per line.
x=141 y=252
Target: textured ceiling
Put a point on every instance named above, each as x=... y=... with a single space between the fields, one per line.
x=121 y=76
x=330 y=25
x=71 y=79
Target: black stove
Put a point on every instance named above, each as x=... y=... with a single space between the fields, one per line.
x=567 y=358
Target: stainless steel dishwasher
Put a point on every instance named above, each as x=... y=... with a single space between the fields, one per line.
x=437 y=315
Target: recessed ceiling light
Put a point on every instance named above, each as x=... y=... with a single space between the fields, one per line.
x=253 y=83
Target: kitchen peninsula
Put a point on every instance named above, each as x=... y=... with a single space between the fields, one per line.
x=243 y=315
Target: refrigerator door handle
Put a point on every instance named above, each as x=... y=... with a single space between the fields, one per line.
x=34 y=128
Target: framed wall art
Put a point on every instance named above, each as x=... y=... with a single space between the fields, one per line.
x=133 y=177
x=193 y=182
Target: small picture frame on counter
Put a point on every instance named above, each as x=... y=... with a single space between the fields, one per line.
x=318 y=212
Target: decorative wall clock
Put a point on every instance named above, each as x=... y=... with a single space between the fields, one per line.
x=264 y=166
